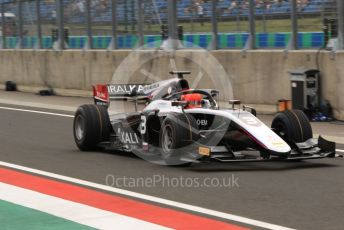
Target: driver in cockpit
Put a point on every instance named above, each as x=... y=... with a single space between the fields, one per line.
x=195 y=100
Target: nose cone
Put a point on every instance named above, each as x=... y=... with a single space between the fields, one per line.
x=274 y=143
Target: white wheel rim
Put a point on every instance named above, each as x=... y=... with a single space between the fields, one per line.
x=79 y=127
x=167 y=139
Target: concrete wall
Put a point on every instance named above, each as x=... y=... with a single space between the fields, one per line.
x=257 y=77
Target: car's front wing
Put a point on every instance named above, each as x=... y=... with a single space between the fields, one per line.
x=311 y=149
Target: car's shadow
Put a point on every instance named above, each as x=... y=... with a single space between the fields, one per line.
x=259 y=166
x=208 y=167
x=119 y=153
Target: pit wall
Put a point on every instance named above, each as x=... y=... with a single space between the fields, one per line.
x=257 y=77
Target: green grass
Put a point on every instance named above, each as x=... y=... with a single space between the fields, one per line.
x=269 y=26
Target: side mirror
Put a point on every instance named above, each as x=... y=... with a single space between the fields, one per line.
x=250 y=109
x=234 y=102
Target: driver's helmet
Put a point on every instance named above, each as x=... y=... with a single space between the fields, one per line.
x=194 y=100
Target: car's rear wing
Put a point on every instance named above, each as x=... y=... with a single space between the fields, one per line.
x=103 y=94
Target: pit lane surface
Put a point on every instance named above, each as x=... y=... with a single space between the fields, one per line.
x=302 y=195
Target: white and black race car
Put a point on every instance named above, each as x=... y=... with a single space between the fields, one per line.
x=181 y=125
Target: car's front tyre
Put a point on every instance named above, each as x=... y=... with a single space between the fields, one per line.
x=177 y=131
x=292 y=126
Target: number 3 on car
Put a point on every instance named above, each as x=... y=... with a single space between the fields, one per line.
x=143 y=128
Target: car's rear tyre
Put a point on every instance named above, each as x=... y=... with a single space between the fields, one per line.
x=91 y=126
x=292 y=126
x=177 y=131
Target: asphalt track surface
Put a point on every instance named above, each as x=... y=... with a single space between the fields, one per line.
x=301 y=195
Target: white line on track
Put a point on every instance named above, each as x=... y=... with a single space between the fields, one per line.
x=340 y=150
x=154 y=199
x=36 y=111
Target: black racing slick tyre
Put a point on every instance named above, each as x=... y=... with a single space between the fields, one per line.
x=177 y=131
x=292 y=126
x=91 y=126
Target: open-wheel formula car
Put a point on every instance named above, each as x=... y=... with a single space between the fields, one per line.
x=182 y=125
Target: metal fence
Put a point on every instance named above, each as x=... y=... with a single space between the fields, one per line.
x=118 y=24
